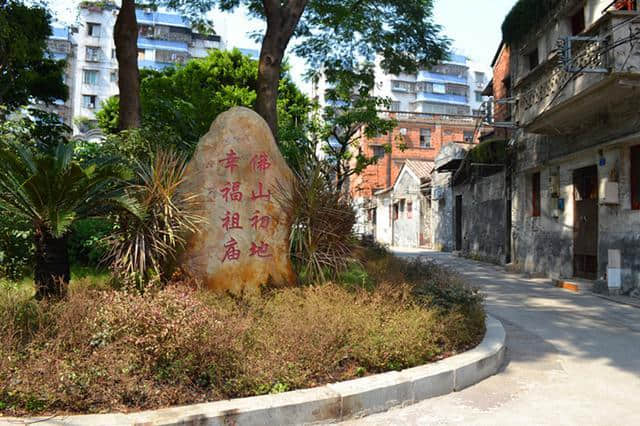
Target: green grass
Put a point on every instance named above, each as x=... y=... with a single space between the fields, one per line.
x=84 y=276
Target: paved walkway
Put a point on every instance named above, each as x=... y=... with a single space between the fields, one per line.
x=572 y=359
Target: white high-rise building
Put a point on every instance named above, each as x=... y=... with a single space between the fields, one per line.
x=452 y=87
x=164 y=39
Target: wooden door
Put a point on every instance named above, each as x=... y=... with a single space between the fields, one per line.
x=585 y=223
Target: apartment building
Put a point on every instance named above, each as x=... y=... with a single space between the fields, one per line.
x=61 y=47
x=434 y=108
x=568 y=72
x=453 y=87
x=164 y=39
x=576 y=196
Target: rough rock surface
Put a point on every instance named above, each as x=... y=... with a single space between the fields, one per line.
x=240 y=174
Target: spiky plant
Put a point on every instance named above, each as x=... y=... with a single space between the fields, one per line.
x=52 y=190
x=145 y=243
x=322 y=230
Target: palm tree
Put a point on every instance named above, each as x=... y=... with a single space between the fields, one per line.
x=51 y=190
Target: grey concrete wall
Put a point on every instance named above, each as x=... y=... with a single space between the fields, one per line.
x=406 y=229
x=544 y=245
x=425 y=223
x=483 y=217
x=442 y=212
x=383 y=219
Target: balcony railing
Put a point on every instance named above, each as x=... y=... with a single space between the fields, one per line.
x=610 y=48
x=467 y=120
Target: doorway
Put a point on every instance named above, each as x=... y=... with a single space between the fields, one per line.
x=458 y=222
x=585 y=223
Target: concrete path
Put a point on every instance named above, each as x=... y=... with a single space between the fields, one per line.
x=572 y=359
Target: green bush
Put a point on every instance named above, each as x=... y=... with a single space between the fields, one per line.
x=86 y=241
x=16 y=247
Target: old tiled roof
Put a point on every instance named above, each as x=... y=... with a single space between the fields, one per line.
x=422 y=169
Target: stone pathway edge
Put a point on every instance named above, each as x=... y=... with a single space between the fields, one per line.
x=334 y=402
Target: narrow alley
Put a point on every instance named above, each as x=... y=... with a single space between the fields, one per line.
x=572 y=359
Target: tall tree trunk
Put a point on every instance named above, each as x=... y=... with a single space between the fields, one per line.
x=269 y=69
x=281 y=23
x=52 y=271
x=125 y=36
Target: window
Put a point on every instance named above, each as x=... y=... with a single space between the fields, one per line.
x=113 y=53
x=532 y=58
x=409 y=209
x=479 y=96
x=425 y=138
x=535 y=194
x=378 y=151
x=577 y=22
x=93 y=29
x=90 y=77
x=395 y=106
x=141 y=54
x=467 y=135
x=480 y=77
x=439 y=88
x=403 y=86
x=89 y=101
x=93 y=54
x=114 y=76
x=635 y=177
x=396 y=211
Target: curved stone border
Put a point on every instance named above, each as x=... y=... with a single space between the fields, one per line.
x=334 y=402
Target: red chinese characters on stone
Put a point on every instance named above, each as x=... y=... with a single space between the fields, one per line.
x=261 y=250
x=231 y=221
x=260 y=162
x=261 y=195
x=259 y=221
x=231 y=192
x=230 y=161
x=231 y=251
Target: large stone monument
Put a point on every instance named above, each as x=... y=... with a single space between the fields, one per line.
x=240 y=174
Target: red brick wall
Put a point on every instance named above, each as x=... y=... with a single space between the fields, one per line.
x=384 y=173
x=501 y=90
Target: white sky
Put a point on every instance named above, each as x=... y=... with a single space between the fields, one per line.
x=473 y=25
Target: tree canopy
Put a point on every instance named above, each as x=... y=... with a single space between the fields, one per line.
x=352 y=112
x=328 y=33
x=25 y=72
x=186 y=99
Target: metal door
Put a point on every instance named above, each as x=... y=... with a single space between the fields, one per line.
x=585 y=223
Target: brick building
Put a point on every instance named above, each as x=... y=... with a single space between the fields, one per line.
x=418 y=137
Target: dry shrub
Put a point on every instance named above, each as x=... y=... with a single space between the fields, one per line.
x=322 y=231
x=112 y=350
x=116 y=350
x=147 y=238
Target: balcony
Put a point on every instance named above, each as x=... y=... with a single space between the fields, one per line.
x=442 y=98
x=426 y=118
x=174 y=46
x=604 y=73
x=432 y=77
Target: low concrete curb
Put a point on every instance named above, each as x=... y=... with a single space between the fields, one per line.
x=334 y=402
